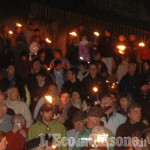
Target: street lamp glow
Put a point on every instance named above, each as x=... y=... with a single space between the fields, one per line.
x=73 y=33
x=48 y=40
x=96 y=34
x=18 y=24
x=141 y=44
x=48 y=98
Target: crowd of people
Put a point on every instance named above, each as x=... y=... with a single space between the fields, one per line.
x=45 y=93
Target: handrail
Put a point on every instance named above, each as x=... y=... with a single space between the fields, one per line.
x=48 y=12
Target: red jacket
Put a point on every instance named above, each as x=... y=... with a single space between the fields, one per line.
x=16 y=140
x=144 y=53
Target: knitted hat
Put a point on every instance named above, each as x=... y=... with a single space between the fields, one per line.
x=78 y=116
x=97 y=112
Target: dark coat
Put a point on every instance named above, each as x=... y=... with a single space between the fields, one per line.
x=89 y=82
x=4 y=84
x=23 y=69
x=70 y=87
x=130 y=84
x=127 y=129
x=73 y=55
x=106 y=46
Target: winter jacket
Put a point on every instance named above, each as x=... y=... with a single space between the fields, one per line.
x=114 y=122
x=22 y=108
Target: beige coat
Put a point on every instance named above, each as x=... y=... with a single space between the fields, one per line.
x=22 y=108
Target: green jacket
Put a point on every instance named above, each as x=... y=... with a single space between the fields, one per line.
x=54 y=127
x=86 y=133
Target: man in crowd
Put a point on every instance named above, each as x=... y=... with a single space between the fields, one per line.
x=93 y=121
x=73 y=82
x=18 y=106
x=58 y=73
x=94 y=80
x=132 y=124
x=79 y=131
x=15 y=80
x=45 y=125
x=130 y=83
x=112 y=120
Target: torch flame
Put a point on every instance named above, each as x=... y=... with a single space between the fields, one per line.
x=113 y=85
x=48 y=98
x=10 y=32
x=96 y=33
x=141 y=44
x=73 y=33
x=95 y=89
x=18 y=24
x=121 y=49
x=48 y=40
x=107 y=81
x=48 y=69
x=101 y=138
x=53 y=146
x=81 y=58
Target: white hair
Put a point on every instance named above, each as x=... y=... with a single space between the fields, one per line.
x=98 y=130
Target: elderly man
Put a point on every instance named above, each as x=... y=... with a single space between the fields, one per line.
x=79 y=131
x=5 y=120
x=45 y=125
x=112 y=120
x=19 y=106
x=93 y=121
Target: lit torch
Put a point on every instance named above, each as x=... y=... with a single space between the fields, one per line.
x=73 y=34
x=101 y=138
x=48 y=40
x=53 y=146
x=113 y=86
x=48 y=69
x=10 y=32
x=81 y=58
x=50 y=100
x=18 y=24
x=141 y=44
x=96 y=34
x=95 y=90
x=121 y=49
